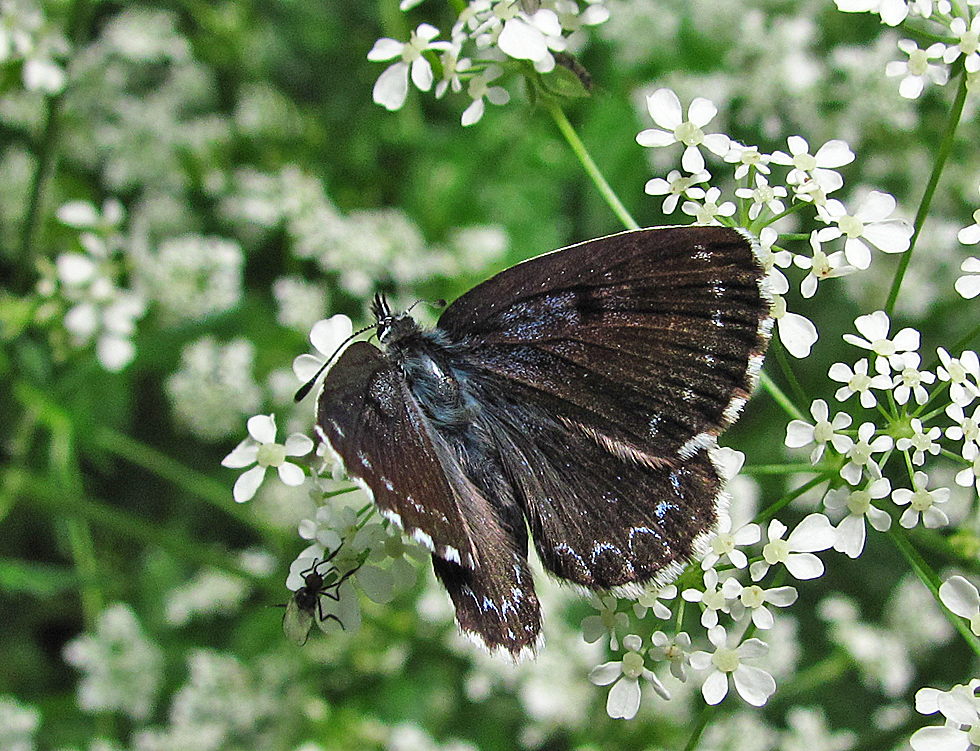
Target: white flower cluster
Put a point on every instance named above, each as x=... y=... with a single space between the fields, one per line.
x=940 y=19
x=121 y=668
x=488 y=37
x=214 y=389
x=362 y=248
x=84 y=288
x=858 y=455
x=808 y=177
x=27 y=38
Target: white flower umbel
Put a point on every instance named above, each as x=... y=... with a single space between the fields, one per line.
x=962 y=599
x=821 y=266
x=822 y=432
x=968 y=285
x=261 y=449
x=796 y=552
x=665 y=109
x=753 y=599
x=712 y=599
x=763 y=196
x=121 y=668
x=874 y=328
x=960 y=706
x=910 y=381
x=963 y=374
x=968 y=44
x=707 y=210
x=608 y=621
x=851 y=531
x=920 y=442
x=917 y=71
x=922 y=502
x=747 y=158
x=860 y=453
x=675 y=650
x=624 y=697
x=868 y=225
x=325 y=336
x=966 y=429
x=391 y=88
x=675 y=186
x=725 y=543
x=753 y=684
x=18 y=725
x=857 y=381
x=479 y=89
x=651 y=599
x=820 y=166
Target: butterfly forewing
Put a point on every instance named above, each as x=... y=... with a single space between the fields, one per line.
x=369 y=419
x=651 y=338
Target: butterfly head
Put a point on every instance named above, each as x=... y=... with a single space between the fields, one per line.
x=391 y=326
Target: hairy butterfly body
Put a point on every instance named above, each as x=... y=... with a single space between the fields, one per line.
x=577 y=395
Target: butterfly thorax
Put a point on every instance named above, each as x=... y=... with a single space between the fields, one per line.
x=428 y=363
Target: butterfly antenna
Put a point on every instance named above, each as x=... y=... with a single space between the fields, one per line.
x=440 y=304
x=305 y=388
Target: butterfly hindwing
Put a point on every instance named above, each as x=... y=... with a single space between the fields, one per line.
x=371 y=421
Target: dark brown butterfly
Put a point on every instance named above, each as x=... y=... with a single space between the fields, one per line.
x=578 y=394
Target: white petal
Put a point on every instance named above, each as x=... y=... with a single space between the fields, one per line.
x=422 y=74
x=473 y=113
x=960 y=596
x=391 y=88
x=665 y=109
x=958 y=705
x=798 y=334
x=701 y=111
x=624 y=699
x=804 y=566
x=606 y=673
x=115 y=352
x=892 y=236
x=969 y=236
x=691 y=160
x=242 y=455
x=752 y=649
x=939 y=739
x=798 y=433
x=815 y=532
x=753 y=684
x=298 y=445
x=968 y=286
x=654 y=137
x=376 y=583
x=857 y=253
x=715 y=688
x=248 y=483
x=291 y=474
x=875 y=207
x=834 y=153
x=781 y=597
x=262 y=428
x=850 y=536
x=327 y=335
x=385 y=49
x=306 y=366
x=520 y=40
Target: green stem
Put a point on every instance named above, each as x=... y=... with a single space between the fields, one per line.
x=777 y=469
x=590 y=167
x=707 y=715
x=781 y=399
x=928 y=577
x=945 y=146
x=768 y=513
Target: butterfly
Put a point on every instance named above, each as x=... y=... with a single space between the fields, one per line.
x=576 y=396
x=305 y=604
